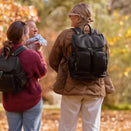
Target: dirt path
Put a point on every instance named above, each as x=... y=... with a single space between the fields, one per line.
x=110 y=120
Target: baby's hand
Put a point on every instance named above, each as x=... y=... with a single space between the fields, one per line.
x=38 y=46
x=28 y=42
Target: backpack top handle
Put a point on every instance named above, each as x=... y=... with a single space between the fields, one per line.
x=90 y=29
x=79 y=31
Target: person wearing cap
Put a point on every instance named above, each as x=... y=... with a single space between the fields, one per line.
x=78 y=97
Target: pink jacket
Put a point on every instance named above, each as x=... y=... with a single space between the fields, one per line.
x=34 y=66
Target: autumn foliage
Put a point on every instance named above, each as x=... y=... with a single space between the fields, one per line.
x=110 y=121
x=10 y=12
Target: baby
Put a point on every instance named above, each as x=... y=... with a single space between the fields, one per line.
x=34 y=38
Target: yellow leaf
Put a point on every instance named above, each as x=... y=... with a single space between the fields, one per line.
x=121 y=23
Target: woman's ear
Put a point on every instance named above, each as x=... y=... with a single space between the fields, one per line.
x=79 y=19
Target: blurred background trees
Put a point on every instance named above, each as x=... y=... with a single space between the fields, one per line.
x=112 y=17
x=11 y=11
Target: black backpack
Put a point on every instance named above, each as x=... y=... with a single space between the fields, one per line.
x=88 y=59
x=12 y=76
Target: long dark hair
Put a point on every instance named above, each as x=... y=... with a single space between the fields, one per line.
x=14 y=34
x=16 y=31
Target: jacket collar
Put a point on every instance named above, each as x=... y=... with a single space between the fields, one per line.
x=81 y=24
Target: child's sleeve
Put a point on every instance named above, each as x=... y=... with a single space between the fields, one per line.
x=42 y=40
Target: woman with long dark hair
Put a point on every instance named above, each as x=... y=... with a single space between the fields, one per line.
x=24 y=108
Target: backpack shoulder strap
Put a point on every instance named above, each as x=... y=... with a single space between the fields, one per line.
x=19 y=50
x=77 y=30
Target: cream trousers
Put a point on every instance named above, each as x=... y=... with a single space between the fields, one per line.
x=88 y=106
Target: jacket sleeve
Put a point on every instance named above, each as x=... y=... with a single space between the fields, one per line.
x=39 y=67
x=56 y=52
x=108 y=84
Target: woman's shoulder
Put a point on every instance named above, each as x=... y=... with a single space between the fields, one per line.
x=29 y=53
x=96 y=31
x=70 y=30
x=66 y=33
